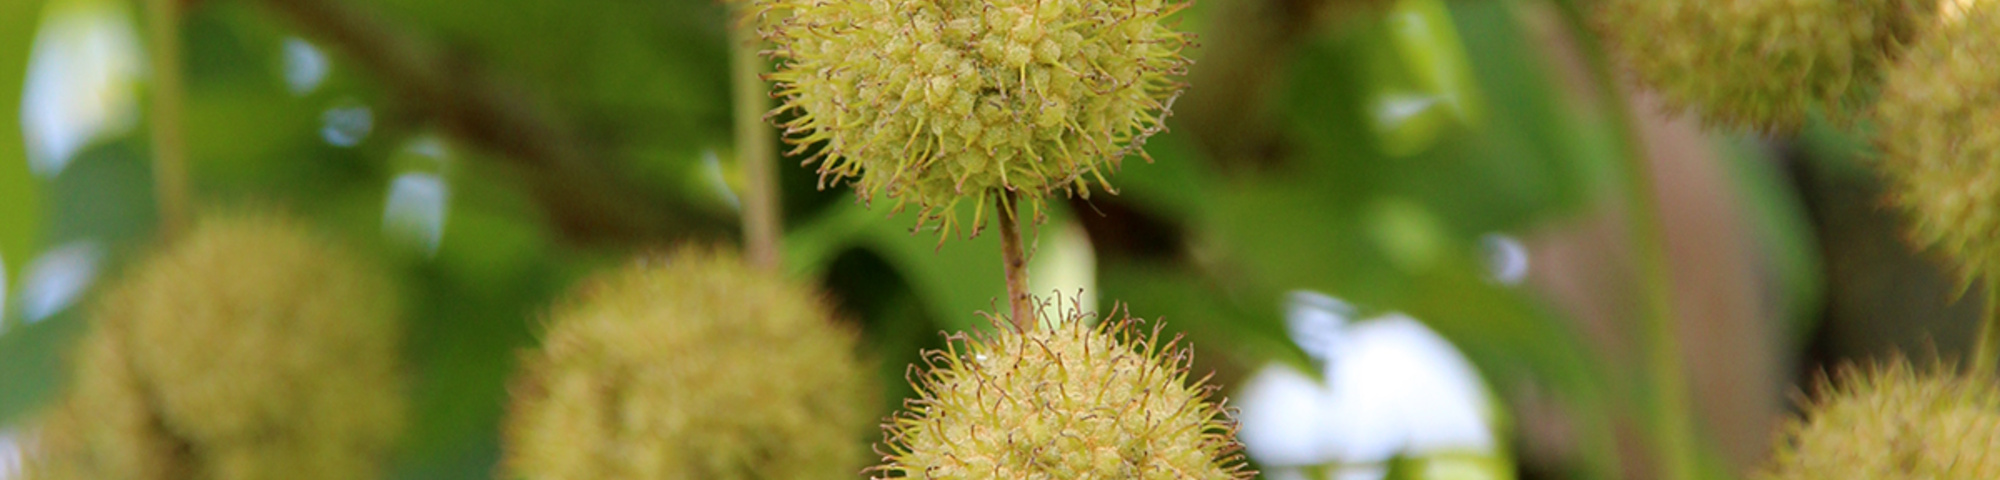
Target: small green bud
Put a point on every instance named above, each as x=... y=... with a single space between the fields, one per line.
x=1759 y=64
x=249 y=349
x=1068 y=401
x=1894 y=423
x=934 y=102
x=1940 y=152
x=690 y=366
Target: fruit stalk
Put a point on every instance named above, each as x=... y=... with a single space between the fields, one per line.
x=169 y=154
x=1021 y=306
x=755 y=153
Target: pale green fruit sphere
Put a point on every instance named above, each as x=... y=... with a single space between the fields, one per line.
x=1940 y=151
x=934 y=102
x=248 y=349
x=1063 y=402
x=691 y=366
x=1894 y=423
x=1758 y=64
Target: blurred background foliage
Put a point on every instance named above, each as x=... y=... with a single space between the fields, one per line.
x=496 y=151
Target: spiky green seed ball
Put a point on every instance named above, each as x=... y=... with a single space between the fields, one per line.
x=934 y=102
x=1071 y=401
x=248 y=349
x=691 y=366
x=1939 y=147
x=1757 y=64
x=1893 y=423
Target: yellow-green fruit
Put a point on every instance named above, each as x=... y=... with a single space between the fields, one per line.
x=1893 y=423
x=1761 y=64
x=934 y=102
x=102 y=427
x=691 y=366
x=1940 y=151
x=249 y=349
x=1063 y=402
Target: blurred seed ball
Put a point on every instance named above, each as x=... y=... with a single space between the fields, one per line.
x=691 y=365
x=248 y=349
x=102 y=427
x=1758 y=64
x=1939 y=148
x=934 y=102
x=1069 y=401
x=1892 y=422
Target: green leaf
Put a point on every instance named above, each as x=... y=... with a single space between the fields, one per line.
x=103 y=197
x=1402 y=234
x=1175 y=184
x=1451 y=465
x=33 y=364
x=1251 y=329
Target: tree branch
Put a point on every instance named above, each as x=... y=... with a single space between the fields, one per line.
x=585 y=198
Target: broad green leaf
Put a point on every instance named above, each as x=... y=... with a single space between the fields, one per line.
x=1174 y=184
x=33 y=364
x=1249 y=328
x=103 y=198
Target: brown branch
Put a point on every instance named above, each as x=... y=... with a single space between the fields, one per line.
x=585 y=198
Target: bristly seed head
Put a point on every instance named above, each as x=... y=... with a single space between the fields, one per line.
x=1940 y=151
x=1759 y=64
x=1061 y=402
x=1894 y=423
x=694 y=366
x=248 y=349
x=934 y=102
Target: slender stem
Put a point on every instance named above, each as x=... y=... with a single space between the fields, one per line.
x=755 y=153
x=1986 y=347
x=1019 y=303
x=169 y=155
x=1672 y=418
